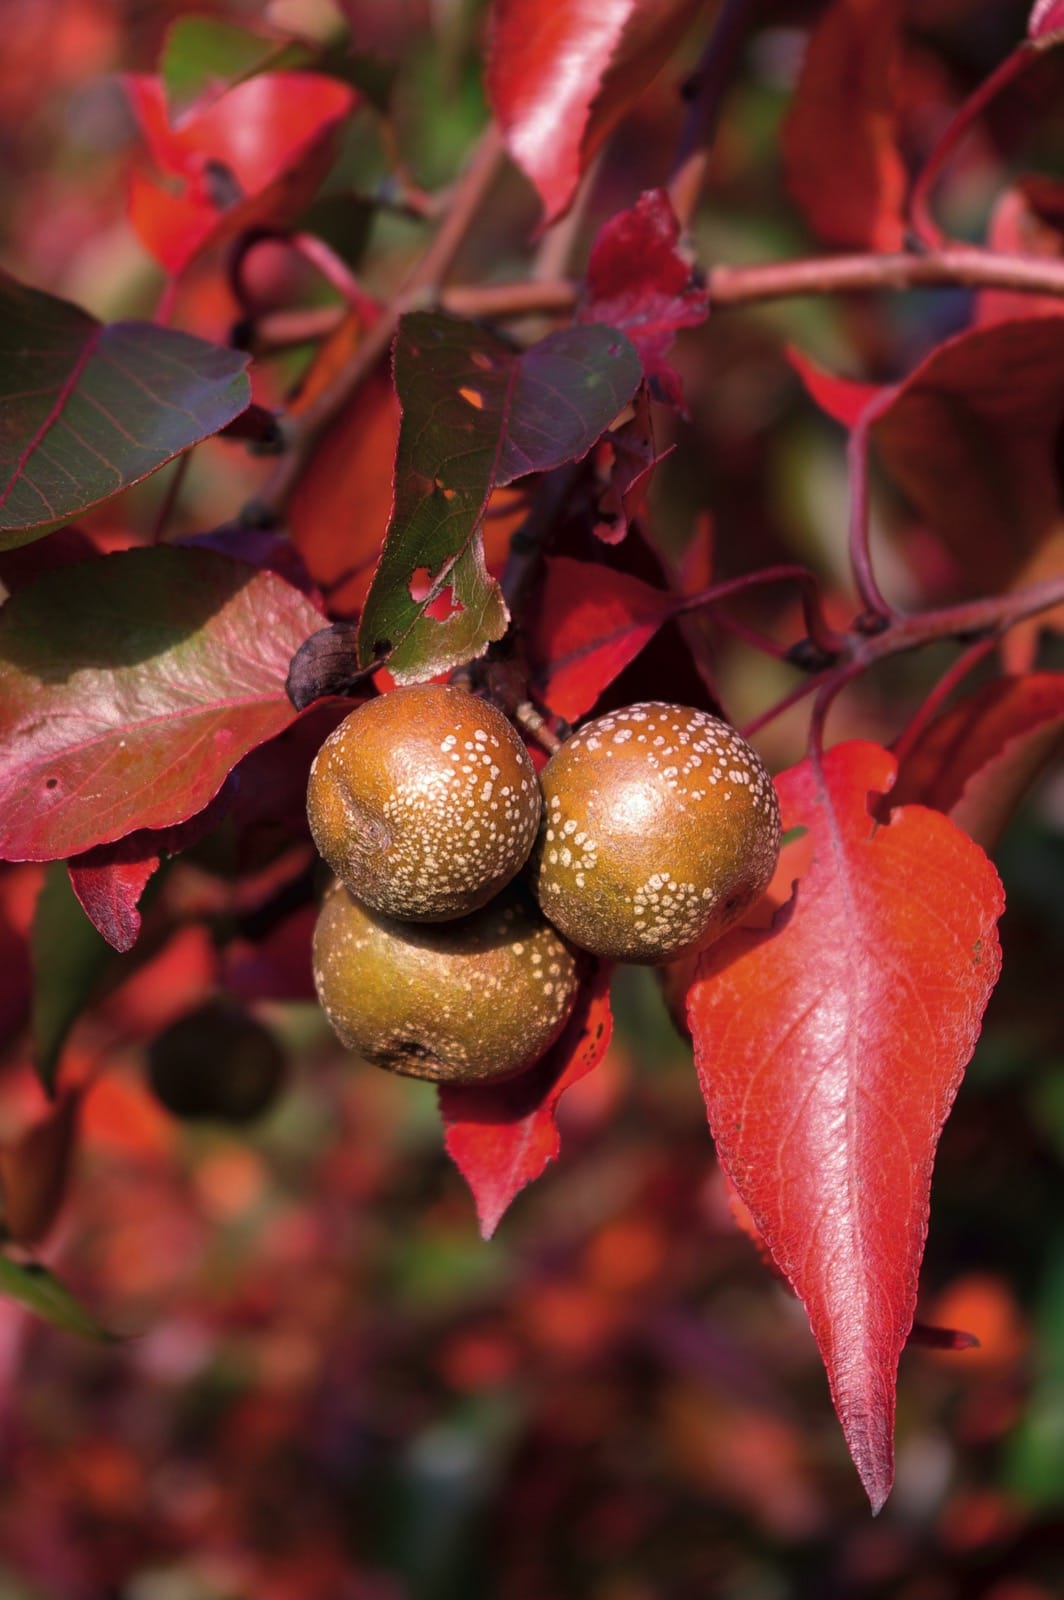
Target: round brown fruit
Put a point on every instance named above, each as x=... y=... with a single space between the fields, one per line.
x=216 y=1063
x=660 y=827
x=468 y=1002
x=424 y=803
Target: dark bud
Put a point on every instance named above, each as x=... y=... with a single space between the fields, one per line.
x=260 y=429
x=216 y=1063
x=326 y=664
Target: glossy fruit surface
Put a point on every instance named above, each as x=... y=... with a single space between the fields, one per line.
x=462 y=1002
x=424 y=802
x=216 y=1062
x=660 y=828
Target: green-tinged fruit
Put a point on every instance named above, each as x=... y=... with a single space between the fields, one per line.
x=463 y=1002
x=216 y=1063
x=660 y=828
x=424 y=803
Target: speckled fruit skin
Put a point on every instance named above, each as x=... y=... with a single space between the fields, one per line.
x=660 y=828
x=462 y=1002
x=425 y=803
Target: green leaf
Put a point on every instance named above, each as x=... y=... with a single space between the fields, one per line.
x=69 y=958
x=203 y=54
x=90 y=409
x=476 y=415
x=39 y=1290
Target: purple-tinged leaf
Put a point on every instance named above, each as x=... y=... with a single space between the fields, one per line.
x=130 y=686
x=91 y=408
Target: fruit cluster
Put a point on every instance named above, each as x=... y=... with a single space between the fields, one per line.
x=469 y=890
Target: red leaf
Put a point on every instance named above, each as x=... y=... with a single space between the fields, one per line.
x=638 y=280
x=839 y=140
x=1045 y=25
x=1027 y=220
x=632 y=457
x=592 y=621
x=109 y=881
x=560 y=75
x=351 y=467
x=842 y=399
x=130 y=686
x=977 y=759
x=253 y=155
x=971 y=436
x=829 y=1051
x=110 y=878
x=503 y=1136
x=35 y=1171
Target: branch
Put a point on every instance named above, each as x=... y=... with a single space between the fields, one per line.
x=704 y=91
x=421 y=286
x=972 y=623
x=969 y=621
x=963 y=266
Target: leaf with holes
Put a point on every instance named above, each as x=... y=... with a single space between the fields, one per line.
x=502 y=1136
x=91 y=408
x=829 y=1050
x=559 y=77
x=476 y=414
x=977 y=759
x=130 y=686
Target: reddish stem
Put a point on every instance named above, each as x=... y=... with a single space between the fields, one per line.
x=336 y=272
x=799 y=693
x=988 y=617
x=821 y=634
x=965 y=662
x=965 y=621
x=1004 y=74
x=877 y=610
x=171 y=494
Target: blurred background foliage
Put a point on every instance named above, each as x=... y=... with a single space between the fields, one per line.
x=330 y=1388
